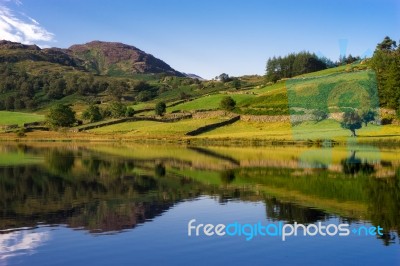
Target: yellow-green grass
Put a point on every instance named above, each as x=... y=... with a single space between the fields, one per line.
x=209 y=102
x=146 y=152
x=156 y=129
x=9 y=118
x=143 y=105
x=327 y=129
x=265 y=89
x=250 y=155
x=346 y=68
x=251 y=130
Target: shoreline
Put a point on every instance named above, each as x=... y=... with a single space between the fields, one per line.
x=69 y=137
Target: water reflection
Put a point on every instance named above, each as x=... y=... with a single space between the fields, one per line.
x=353 y=165
x=111 y=189
x=18 y=243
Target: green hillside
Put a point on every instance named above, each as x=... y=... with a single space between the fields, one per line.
x=115 y=81
x=9 y=118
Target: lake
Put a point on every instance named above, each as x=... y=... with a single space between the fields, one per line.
x=131 y=204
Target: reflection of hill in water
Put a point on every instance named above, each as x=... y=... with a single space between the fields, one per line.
x=30 y=195
x=101 y=192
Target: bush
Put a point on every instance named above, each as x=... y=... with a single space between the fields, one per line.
x=160 y=108
x=319 y=115
x=368 y=116
x=118 y=110
x=92 y=113
x=61 y=115
x=227 y=103
x=129 y=112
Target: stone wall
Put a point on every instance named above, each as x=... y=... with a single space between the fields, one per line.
x=265 y=118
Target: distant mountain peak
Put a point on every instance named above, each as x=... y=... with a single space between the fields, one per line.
x=193 y=76
x=115 y=58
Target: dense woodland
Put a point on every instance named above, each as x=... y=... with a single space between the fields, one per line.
x=386 y=63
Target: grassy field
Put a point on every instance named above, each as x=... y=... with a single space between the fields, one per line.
x=330 y=90
x=209 y=102
x=335 y=92
x=8 y=118
x=328 y=129
x=155 y=129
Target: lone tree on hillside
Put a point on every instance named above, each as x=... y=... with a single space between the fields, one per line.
x=227 y=103
x=61 y=115
x=160 y=108
x=351 y=121
x=368 y=116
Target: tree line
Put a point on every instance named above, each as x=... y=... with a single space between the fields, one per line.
x=294 y=64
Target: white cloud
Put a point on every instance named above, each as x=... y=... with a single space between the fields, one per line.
x=16 y=29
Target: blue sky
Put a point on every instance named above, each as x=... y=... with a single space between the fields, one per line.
x=207 y=37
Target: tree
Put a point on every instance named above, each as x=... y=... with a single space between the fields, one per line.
x=160 y=108
x=9 y=103
x=61 y=115
x=386 y=45
x=118 y=109
x=227 y=103
x=368 y=116
x=117 y=89
x=386 y=63
x=56 y=89
x=141 y=86
x=144 y=96
x=292 y=65
x=236 y=83
x=92 y=113
x=351 y=121
x=224 y=77
x=319 y=115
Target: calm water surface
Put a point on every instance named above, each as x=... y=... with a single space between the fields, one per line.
x=66 y=204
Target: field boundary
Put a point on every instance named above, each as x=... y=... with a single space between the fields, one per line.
x=210 y=127
x=131 y=119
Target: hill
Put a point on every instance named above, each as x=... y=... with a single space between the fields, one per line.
x=13 y=52
x=34 y=78
x=113 y=58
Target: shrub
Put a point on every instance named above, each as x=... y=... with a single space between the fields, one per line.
x=160 y=108
x=92 y=113
x=61 y=115
x=319 y=115
x=118 y=110
x=129 y=112
x=227 y=103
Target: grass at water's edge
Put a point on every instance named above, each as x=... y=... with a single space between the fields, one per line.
x=45 y=136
